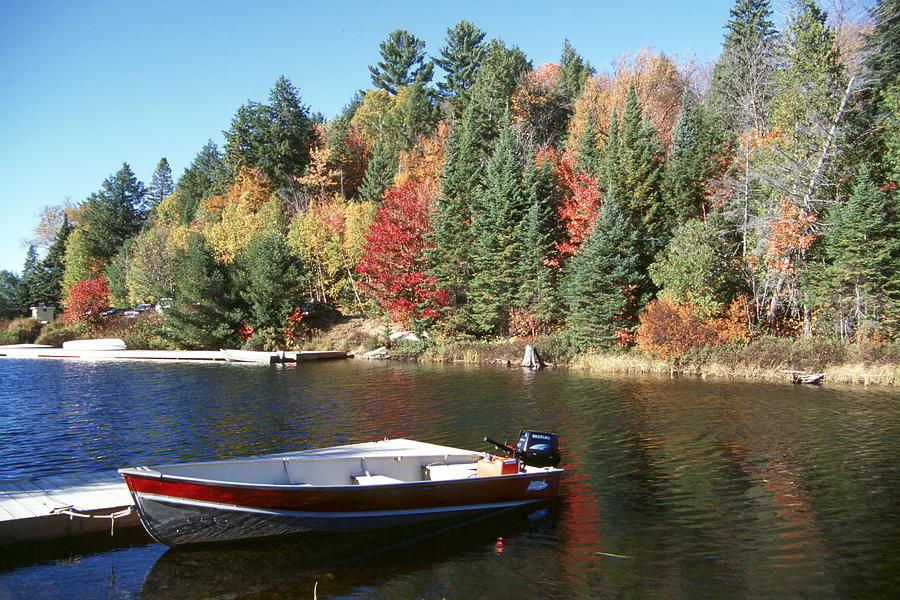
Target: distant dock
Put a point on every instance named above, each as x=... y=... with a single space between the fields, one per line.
x=34 y=509
x=33 y=351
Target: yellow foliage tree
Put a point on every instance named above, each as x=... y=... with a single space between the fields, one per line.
x=423 y=164
x=328 y=238
x=319 y=180
x=658 y=85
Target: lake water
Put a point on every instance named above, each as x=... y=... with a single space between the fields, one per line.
x=674 y=488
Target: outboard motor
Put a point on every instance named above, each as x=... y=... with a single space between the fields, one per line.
x=535 y=448
x=538 y=449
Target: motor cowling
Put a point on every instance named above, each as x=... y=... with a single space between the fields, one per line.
x=538 y=449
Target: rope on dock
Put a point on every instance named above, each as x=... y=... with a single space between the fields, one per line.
x=71 y=512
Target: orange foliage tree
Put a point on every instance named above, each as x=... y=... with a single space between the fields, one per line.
x=250 y=188
x=670 y=329
x=792 y=234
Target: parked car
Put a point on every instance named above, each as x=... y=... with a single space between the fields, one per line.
x=143 y=307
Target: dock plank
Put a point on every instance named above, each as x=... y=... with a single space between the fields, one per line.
x=27 y=506
x=16 y=508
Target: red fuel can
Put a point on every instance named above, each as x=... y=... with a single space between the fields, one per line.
x=492 y=466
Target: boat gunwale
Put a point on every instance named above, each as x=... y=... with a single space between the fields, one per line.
x=146 y=473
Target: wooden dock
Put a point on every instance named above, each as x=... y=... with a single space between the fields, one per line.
x=64 y=505
x=29 y=351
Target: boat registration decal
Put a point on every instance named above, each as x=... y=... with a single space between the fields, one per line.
x=536 y=486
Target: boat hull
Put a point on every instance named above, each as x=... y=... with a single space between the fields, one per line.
x=177 y=512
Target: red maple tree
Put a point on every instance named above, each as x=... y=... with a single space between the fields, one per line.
x=394 y=263
x=86 y=300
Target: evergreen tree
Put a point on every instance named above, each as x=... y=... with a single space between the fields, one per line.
x=540 y=234
x=451 y=242
x=588 y=156
x=883 y=56
x=29 y=281
x=877 y=109
x=495 y=82
x=741 y=83
x=48 y=288
x=161 y=185
x=640 y=164
x=114 y=214
x=274 y=138
x=116 y=275
x=403 y=63
x=696 y=152
x=269 y=277
x=603 y=282
x=9 y=289
x=609 y=158
x=460 y=58
x=573 y=71
x=380 y=172
x=863 y=246
x=204 y=178
x=497 y=215
x=809 y=86
x=205 y=313
x=695 y=269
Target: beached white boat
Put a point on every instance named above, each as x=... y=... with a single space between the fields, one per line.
x=254 y=356
x=99 y=344
x=355 y=487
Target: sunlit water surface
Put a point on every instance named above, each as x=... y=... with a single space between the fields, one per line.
x=674 y=488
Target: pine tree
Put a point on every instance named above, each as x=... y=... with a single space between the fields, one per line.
x=403 y=63
x=863 y=246
x=451 y=241
x=588 y=156
x=274 y=138
x=640 y=163
x=269 y=279
x=809 y=87
x=48 y=291
x=697 y=149
x=496 y=217
x=204 y=178
x=497 y=79
x=611 y=173
x=9 y=289
x=460 y=59
x=379 y=172
x=205 y=312
x=161 y=185
x=29 y=281
x=114 y=214
x=540 y=234
x=741 y=85
x=573 y=71
x=603 y=282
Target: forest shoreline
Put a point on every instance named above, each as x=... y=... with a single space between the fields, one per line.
x=764 y=359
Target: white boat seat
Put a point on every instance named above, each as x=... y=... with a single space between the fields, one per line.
x=445 y=472
x=374 y=479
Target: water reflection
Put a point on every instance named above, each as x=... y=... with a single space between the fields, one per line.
x=335 y=565
x=674 y=488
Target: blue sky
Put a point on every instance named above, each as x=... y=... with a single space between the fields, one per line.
x=86 y=86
